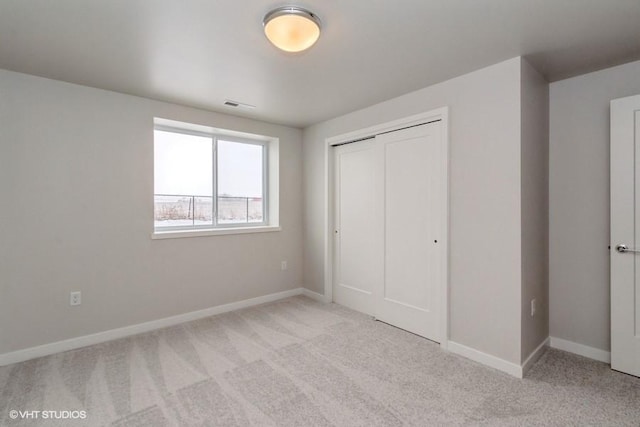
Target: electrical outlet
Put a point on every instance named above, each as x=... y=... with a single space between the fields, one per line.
x=283 y=265
x=75 y=298
x=533 y=307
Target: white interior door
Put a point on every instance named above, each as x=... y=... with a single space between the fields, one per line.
x=625 y=233
x=409 y=295
x=357 y=241
x=388 y=247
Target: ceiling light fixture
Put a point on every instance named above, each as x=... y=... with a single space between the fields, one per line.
x=291 y=28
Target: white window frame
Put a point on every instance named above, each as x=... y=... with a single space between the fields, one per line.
x=269 y=187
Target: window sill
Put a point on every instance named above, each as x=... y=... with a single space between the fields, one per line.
x=179 y=234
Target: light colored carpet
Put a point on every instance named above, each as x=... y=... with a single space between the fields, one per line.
x=298 y=362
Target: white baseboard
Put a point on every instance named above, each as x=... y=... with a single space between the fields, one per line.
x=486 y=359
x=581 y=349
x=535 y=355
x=83 y=341
x=314 y=295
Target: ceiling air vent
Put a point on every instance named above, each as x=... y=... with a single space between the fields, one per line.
x=234 y=104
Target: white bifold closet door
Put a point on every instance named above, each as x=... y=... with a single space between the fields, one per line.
x=388 y=216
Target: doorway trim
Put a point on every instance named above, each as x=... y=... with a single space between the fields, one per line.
x=439 y=114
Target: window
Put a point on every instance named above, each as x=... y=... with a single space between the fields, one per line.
x=240 y=182
x=208 y=180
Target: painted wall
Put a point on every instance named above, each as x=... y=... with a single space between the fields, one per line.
x=76 y=186
x=534 y=160
x=485 y=240
x=579 y=202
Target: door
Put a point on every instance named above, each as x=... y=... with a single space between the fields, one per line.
x=409 y=294
x=357 y=241
x=389 y=207
x=625 y=235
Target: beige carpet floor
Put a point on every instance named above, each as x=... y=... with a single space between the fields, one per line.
x=298 y=362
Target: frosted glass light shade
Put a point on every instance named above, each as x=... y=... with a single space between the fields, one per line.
x=292 y=29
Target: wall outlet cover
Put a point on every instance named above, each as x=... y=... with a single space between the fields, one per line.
x=75 y=298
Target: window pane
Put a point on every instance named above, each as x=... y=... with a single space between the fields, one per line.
x=183 y=172
x=240 y=186
x=180 y=211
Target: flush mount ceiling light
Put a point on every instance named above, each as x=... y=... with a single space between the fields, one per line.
x=291 y=28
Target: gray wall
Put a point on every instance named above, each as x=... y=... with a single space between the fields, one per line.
x=579 y=202
x=76 y=182
x=485 y=240
x=535 y=207
x=85 y=157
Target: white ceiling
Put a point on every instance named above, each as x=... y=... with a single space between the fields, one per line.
x=201 y=52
